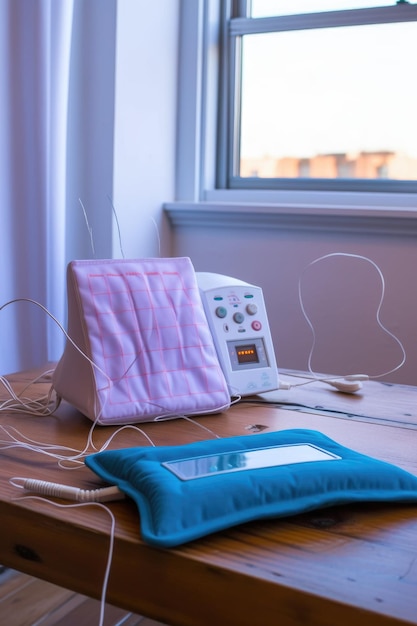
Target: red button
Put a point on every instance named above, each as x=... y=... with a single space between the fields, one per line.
x=256 y=325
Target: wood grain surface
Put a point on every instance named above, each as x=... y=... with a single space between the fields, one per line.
x=340 y=566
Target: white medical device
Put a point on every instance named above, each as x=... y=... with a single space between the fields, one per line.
x=237 y=318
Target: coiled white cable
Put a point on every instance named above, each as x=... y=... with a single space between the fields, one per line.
x=56 y=490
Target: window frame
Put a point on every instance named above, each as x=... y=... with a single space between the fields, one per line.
x=234 y=24
x=199 y=201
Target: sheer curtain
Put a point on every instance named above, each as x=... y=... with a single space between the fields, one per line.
x=56 y=85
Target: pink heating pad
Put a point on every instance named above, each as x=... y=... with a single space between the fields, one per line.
x=143 y=348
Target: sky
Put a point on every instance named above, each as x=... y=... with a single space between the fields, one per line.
x=331 y=90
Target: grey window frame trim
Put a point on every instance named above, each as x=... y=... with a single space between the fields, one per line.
x=233 y=28
x=198 y=201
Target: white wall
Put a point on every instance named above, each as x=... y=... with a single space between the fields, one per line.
x=122 y=126
x=340 y=294
x=145 y=122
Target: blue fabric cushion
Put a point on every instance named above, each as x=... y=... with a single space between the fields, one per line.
x=173 y=510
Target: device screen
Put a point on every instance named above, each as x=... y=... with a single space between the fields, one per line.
x=227 y=462
x=247 y=354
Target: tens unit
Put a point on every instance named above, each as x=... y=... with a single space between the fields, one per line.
x=237 y=318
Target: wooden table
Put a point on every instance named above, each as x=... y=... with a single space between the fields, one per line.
x=350 y=565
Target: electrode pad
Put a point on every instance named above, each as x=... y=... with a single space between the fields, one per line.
x=140 y=344
x=188 y=491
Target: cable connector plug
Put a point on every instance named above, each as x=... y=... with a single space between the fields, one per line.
x=55 y=490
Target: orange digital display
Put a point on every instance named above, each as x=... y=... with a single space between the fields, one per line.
x=247 y=354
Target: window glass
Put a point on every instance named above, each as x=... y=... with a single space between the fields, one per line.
x=270 y=8
x=329 y=103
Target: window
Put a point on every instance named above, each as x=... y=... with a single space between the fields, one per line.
x=323 y=100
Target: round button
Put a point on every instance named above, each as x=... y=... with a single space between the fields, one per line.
x=256 y=325
x=251 y=309
x=238 y=317
x=221 y=312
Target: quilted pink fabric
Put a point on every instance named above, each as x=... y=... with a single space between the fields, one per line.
x=141 y=347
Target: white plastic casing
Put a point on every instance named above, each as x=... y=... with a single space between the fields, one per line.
x=236 y=315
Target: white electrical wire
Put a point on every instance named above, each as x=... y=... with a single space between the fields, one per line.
x=89 y=228
x=22 y=406
x=111 y=542
x=378 y=312
x=117 y=226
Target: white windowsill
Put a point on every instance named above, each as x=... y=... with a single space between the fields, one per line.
x=369 y=219
x=201 y=204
